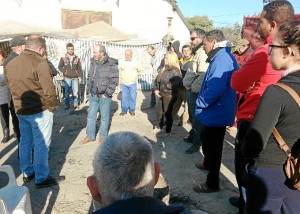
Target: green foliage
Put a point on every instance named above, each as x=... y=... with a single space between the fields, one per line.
x=232 y=33
x=200 y=22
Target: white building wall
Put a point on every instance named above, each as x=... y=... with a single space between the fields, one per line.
x=146 y=18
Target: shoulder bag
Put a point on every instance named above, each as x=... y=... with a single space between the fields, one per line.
x=292 y=164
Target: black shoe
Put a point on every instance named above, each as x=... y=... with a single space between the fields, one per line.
x=29 y=178
x=122 y=113
x=188 y=139
x=6 y=136
x=132 y=113
x=67 y=107
x=50 y=181
x=235 y=201
x=200 y=165
x=192 y=149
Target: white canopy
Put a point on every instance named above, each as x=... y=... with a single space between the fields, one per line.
x=96 y=31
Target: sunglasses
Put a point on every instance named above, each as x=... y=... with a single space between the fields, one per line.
x=275 y=46
x=193 y=38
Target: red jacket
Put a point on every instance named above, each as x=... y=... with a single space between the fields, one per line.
x=252 y=80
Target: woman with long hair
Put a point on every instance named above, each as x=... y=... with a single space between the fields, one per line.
x=166 y=89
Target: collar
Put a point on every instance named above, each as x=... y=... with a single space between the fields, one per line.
x=291 y=70
x=269 y=39
x=145 y=205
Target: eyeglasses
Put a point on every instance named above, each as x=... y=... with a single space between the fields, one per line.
x=275 y=46
x=193 y=38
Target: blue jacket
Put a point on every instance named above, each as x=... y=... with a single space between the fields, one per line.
x=216 y=102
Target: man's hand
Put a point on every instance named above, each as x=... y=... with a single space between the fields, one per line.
x=79 y=80
x=103 y=96
x=156 y=92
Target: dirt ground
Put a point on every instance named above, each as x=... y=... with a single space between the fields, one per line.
x=69 y=158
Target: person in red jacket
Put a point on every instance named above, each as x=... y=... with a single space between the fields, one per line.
x=253 y=78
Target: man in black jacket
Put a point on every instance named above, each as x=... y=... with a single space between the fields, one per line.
x=124 y=177
x=103 y=78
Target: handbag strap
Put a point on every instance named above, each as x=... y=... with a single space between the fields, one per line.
x=280 y=141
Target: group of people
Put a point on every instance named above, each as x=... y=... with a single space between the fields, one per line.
x=216 y=85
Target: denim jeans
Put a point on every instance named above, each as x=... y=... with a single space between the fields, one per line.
x=71 y=82
x=98 y=104
x=129 y=97
x=36 y=130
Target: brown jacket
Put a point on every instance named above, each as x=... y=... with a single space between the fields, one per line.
x=30 y=83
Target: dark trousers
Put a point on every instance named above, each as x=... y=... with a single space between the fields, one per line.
x=5 y=109
x=268 y=192
x=239 y=161
x=153 y=99
x=212 y=147
x=196 y=130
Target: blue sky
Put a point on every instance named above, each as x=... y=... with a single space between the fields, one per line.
x=225 y=12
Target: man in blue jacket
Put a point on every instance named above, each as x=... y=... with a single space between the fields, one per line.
x=216 y=106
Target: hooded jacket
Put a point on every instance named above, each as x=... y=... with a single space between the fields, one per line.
x=216 y=102
x=108 y=76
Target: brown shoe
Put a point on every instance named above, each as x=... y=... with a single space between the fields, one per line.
x=85 y=141
x=204 y=188
x=101 y=140
x=200 y=165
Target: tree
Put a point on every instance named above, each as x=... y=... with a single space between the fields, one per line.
x=200 y=22
x=232 y=33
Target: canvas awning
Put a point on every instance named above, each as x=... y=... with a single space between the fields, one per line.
x=100 y=31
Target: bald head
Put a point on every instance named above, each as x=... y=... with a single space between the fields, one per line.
x=128 y=54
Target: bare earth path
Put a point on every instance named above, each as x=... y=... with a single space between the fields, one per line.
x=69 y=158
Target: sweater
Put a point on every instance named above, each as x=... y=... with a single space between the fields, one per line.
x=277 y=109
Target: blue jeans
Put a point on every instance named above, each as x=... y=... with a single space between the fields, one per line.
x=36 y=130
x=71 y=82
x=102 y=105
x=129 y=97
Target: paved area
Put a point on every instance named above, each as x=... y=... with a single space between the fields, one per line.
x=67 y=157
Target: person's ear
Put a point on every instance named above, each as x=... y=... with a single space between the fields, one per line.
x=273 y=25
x=156 y=172
x=93 y=187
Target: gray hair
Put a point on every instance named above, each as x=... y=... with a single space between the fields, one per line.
x=124 y=167
x=101 y=48
x=215 y=34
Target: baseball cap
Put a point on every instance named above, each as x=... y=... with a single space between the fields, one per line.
x=240 y=43
x=17 y=41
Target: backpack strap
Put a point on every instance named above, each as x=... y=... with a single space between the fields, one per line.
x=280 y=141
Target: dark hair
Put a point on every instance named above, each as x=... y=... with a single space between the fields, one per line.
x=69 y=45
x=200 y=33
x=215 y=34
x=185 y=46
x=290 y=33
x=280 y=11
x=3 y=53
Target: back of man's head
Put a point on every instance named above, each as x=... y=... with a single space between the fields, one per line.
x=124 y=167
x=279 y=11
x=34 y=42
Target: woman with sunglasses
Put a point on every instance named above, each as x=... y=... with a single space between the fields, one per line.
x=267 y=188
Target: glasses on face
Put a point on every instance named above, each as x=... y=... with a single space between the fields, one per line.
x=271 y=46
x=193 y=38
